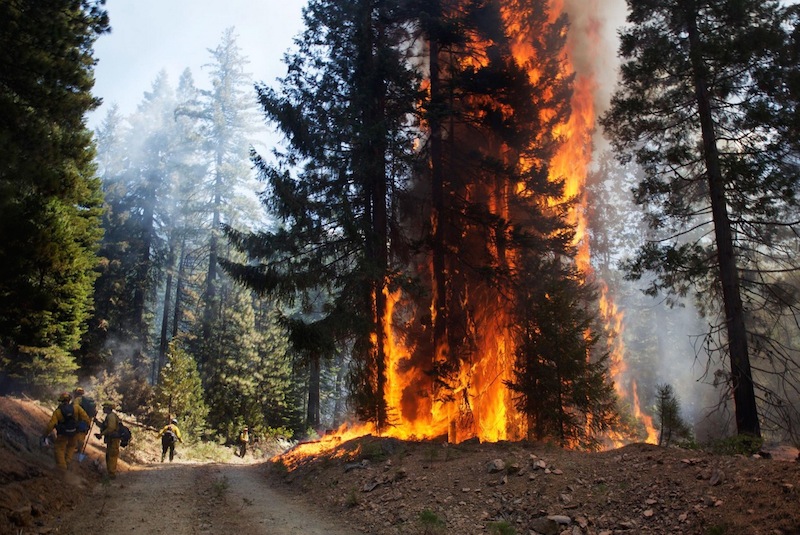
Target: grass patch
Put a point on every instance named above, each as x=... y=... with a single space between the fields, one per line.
x=351 y=500
x=206 y=452
x=738 y=445
x=279 y=467
x=501 y=528
x=219 y=487
x=430 y=523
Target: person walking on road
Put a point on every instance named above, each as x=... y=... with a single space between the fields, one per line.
x=65 y=421
x=108 y=432
x=244 y=438
x=80 y=398
x=170 y=434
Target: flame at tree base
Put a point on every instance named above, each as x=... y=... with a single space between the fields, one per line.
x=476 y=402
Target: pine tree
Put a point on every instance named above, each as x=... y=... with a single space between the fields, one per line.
x=483 y=211
x=343 y=108
x=279 y=395
x=50 y=198
x=561 y=379
x=225 y=115
x=671 y=425
x=685 y=111
x=180 y=392
x=233 y=369
x=142 y=163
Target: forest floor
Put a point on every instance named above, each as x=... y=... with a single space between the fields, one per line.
x=385 y=486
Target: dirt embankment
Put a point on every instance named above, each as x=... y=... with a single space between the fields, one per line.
x=387 y=487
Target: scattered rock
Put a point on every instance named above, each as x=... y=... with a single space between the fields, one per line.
x=544 y=526
x=496 y=465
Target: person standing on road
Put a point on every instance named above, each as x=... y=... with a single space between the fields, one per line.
x=65 y=420
x=170 y=434
x=108 y=432
x=244 y=438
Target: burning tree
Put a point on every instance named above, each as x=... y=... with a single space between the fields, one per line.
x=417 y=187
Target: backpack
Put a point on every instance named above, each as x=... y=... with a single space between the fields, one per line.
x=69 y=426
x=89 y=405
x=123 y=434
x=169 y=437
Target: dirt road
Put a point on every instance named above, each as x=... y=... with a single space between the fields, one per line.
x=185 y=498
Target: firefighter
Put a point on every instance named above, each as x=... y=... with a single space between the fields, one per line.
x=108 y=432
x=169 y=434
x=244 y=438
x=65 y=421
x=79 y=398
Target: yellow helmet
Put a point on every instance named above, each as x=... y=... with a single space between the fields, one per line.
x=108 y=405
x=79 y=391
x=64 y=396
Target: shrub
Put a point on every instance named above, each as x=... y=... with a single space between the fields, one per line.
x=431 y=523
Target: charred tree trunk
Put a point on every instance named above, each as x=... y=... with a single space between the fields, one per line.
x=438 y=215
x=741 y=376
x=312 y=414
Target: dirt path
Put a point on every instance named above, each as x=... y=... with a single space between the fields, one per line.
x=184 y=499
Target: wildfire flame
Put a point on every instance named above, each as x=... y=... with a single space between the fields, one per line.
x=480 y=404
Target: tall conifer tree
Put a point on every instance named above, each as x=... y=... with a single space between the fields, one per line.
x=50 y=198
x=343 y=108
x=685 y=111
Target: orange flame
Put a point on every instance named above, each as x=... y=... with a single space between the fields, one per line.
x=480 y=404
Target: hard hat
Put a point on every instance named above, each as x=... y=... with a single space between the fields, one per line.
x=79 y=391
x=174 y=421
x=108 y=405
x=64 y=396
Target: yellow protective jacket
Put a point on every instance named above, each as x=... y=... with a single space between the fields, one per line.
x=58 y=417
x=173 y=428
x=244 y=437
x=109 y=427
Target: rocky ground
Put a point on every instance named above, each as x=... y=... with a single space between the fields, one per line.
x=384 y=486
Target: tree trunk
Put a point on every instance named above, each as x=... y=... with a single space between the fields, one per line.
x=211 y=275
x=438 y=216
x=143 y=275
x=741 y=377
x=338 y=408
x=178 y=312
x=164 y=341
x=312 y=414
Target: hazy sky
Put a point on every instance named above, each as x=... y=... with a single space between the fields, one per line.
x=150 y=35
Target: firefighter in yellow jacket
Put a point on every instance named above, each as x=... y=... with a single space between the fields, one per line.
x=169 y=435
x=83 y=427
x=108 y=432
x=65 y=420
